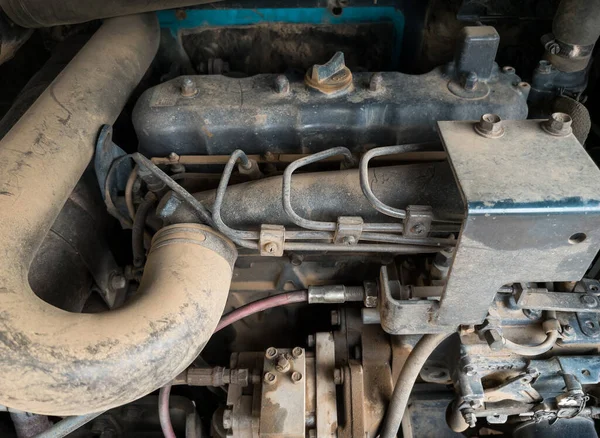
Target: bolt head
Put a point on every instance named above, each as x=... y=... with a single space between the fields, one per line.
x=271 y=353
x=335 y=317
x=490 y=126
x=271 y=247
x=470 y=370
x=418 y=228
x=544 y=67
x=349 y=240
x=297 y=352
x=310 y=341
x=568 y=329
x=375 y=82
x=589 y=301
x=227 y=419
x=283 y=364
x=470 y=81
x=338 y=376
x=282 y=84
x=296 y=377
x=118 y=282
x=559 y=125
x=494 y=339
x=188 y=88
x=270 y=378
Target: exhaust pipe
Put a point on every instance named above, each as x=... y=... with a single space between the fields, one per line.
x=55 y=362
x=46 y=13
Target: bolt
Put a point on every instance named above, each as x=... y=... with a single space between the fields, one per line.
x=508 y=70
x=471 y=419
x=118 y=281
x=310 y=341
x=271 y=353
x=532 y=314
x=296 y=377
x=173 y=157
x=283 y=364
x=490 y=126
x=568 y=330
x=270 y=378
x=418 y=228
x=271 y=247
x=338 y=376
x=559 y=124
x=544 y=67
x=553 y=48
x=227 y=419
x=589 y=301
x=470 y=370
x=494 y=339
x=375 y=82
x=297 y=352
x=188 y=88
x=312 y=433
x=349 y=240
x=269 y=156
x=282 y=84
x=335 y=317
x=470 y=81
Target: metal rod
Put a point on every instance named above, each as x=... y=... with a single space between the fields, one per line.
x=395 y=249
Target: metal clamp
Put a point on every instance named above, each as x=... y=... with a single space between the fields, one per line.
x=348 y=230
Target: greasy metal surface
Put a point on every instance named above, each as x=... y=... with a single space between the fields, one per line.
x=533 y=214
x=329 y=195
x=282 y=409
x=542 y=299
x=229 y=112
x=327 y=421
x=60 y=363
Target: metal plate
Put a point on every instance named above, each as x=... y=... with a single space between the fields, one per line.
x=532 y=213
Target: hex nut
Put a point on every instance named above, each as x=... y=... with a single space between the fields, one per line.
x=188 y=88
x=375 y=82
x=283 y=364
x=271 y=353
x=559 y=125
x=282 y=84
x=490 y=126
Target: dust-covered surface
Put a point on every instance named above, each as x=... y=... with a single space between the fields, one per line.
x=277 y=47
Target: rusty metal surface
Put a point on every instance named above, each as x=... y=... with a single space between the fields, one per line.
x=533 y=214
x=327 y=421
x=282 y=410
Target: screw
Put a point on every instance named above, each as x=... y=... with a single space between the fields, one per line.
x=335 y=317
x=470 y=81
x=544 y=67
x=118 y=282
x=297 y=352
x=471 y=419
x=375 y=82
x=553 y=48
x=227 y=419
x=188 y=88
x=559 y=124
x=589 y=301
x=271 y=353
x=338 y=376
x=490 y=126
x=296 y=377
x=271 y=247
x=349 y=240
x=283 y=364
x=270 y=378
x=282 y=84
x=508 y=70
x=296 y=259
x=568 y=330
x=310 y=340
x=418 y=228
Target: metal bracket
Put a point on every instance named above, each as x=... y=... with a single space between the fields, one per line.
x=418 y=220
x=542 y=299
x=271 y=240
x=348 y=230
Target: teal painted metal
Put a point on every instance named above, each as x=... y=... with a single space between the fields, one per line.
x=198 y=18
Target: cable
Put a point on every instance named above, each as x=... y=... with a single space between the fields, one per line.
x=137 y=231
x=406 y=381
x=67 y=425
x=299 y=296
x=164 y=415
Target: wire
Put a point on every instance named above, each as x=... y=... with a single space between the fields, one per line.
x=164 y=415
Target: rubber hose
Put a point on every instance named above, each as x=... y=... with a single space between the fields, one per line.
x=406 y=380
x=66 y=426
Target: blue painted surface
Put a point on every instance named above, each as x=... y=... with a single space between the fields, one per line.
x=197 y=18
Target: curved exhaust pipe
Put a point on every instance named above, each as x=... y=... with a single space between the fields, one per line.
x=59 y=363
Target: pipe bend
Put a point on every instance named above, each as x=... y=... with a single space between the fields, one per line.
x=59 y=363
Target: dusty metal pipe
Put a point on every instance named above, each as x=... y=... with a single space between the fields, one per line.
x=46 y=13
x=55 y=362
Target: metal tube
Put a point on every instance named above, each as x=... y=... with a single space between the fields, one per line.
x=80 y=363
x=382 y=248
x=66 y=426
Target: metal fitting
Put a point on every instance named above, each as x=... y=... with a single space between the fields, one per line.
x=270 y=378
x=568 y=330
x=335 y=317
x=544 y=67
x=310 y=341
x=470 y=81
x=227 y=419
x=118 y=281
x=271 y=353
x=375 y=82
x=589 y=301
x=559 y=125
x=490 y=126
x=188 y=88
x=283 y=364
x=297 y=352
x=296 y=377
x=338 y=376
x=282 y=84
x=335 y=294
x=494 y=339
